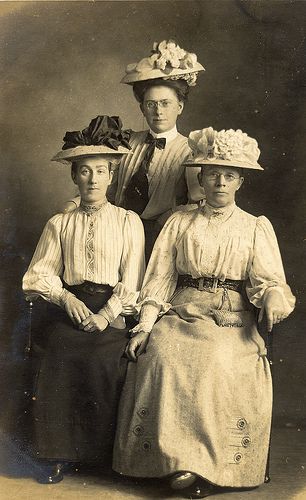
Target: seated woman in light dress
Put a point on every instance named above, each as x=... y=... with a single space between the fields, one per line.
x=153 y=181
x=88 y=265
x=197 y=404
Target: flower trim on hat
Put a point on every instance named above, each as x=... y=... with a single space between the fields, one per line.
x=102 y=131
x=224 y=145
x=166 y=56
x=191 y=78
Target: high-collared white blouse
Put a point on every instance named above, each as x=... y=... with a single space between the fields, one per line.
x=224 y=243
x=170 y=183
x=105 y=246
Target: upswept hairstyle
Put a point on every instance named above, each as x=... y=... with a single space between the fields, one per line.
x=181 y=88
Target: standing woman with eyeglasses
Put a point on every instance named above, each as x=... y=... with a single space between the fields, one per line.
x=154 y=182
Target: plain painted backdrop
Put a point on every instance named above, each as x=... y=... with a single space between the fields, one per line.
x=61 y=65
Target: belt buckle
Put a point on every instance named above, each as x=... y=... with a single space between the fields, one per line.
x=214 y=286
x=201 y=284
x=89 y=288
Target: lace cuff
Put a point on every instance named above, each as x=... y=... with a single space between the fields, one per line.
x=112 y=308
x=148 y=316
x=59 y=296
x=158 y=303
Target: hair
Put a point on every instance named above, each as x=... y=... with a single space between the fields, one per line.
x=239 y=170
x=180 y=87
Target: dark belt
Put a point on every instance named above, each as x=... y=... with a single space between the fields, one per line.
x=89 y=287
x=210 y=284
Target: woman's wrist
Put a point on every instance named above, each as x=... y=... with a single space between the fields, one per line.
x=104 y=315
x=65 y=297
x=133 y=333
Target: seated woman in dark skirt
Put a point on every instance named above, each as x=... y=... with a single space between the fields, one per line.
x=88 y=265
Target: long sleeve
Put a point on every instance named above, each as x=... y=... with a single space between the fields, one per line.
x=43 y=275
x=131 y=272
x=266 y=271
x=161 y=276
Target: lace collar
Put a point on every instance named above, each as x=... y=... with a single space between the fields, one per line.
x=92 y=209
x=219 y=213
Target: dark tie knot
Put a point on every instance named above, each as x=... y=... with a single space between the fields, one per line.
x=158 y=142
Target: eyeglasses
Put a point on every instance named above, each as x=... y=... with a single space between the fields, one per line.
x=164 y=104
x=215 y=176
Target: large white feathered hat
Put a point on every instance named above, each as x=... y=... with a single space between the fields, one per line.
x=232 y=148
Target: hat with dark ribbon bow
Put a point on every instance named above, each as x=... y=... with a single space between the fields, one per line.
x=103 y=136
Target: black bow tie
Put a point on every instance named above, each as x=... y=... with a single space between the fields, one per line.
x=158 y=142
x=137 y=191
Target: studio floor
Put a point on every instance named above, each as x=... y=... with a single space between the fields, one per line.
x=288 y=477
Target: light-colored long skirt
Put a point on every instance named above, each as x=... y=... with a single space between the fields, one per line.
x=199 y=399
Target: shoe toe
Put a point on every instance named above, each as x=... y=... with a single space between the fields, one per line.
x=182 y=480
x=200 y=489
x=54 y=476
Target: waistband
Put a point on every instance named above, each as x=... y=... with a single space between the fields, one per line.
x=209 y=284
x=89 y=287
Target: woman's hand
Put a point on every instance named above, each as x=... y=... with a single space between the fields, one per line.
x=137 y=345
x=275 y=308
x=76 y=310
x=94 y=323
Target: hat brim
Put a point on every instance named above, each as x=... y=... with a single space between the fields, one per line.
x=66 y=156
x=152 y=74
x=193 y=162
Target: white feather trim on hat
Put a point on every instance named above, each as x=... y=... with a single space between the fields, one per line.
x=232 y=148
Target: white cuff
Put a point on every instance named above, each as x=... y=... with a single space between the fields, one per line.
x=59 y=296
x=112 y=308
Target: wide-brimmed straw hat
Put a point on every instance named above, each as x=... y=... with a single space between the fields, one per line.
x=167 y=61
x=228 y=148
x=103 y=136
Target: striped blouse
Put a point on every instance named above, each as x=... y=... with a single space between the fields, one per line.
x=104 y=247
x=169 y=182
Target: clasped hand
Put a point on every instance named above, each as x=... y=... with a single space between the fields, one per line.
x=83 y=317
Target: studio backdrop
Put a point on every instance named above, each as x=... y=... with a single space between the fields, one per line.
x=61 y=66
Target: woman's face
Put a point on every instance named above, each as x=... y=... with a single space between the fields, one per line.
x=92 y=177
x=161 y=108
x=220 y=184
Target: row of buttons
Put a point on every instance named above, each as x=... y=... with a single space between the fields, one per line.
x=139 y=430
x=245 y=441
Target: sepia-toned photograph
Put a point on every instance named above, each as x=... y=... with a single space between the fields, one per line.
x=153 y=223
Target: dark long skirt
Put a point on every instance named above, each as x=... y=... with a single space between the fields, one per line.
x=78 y=386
